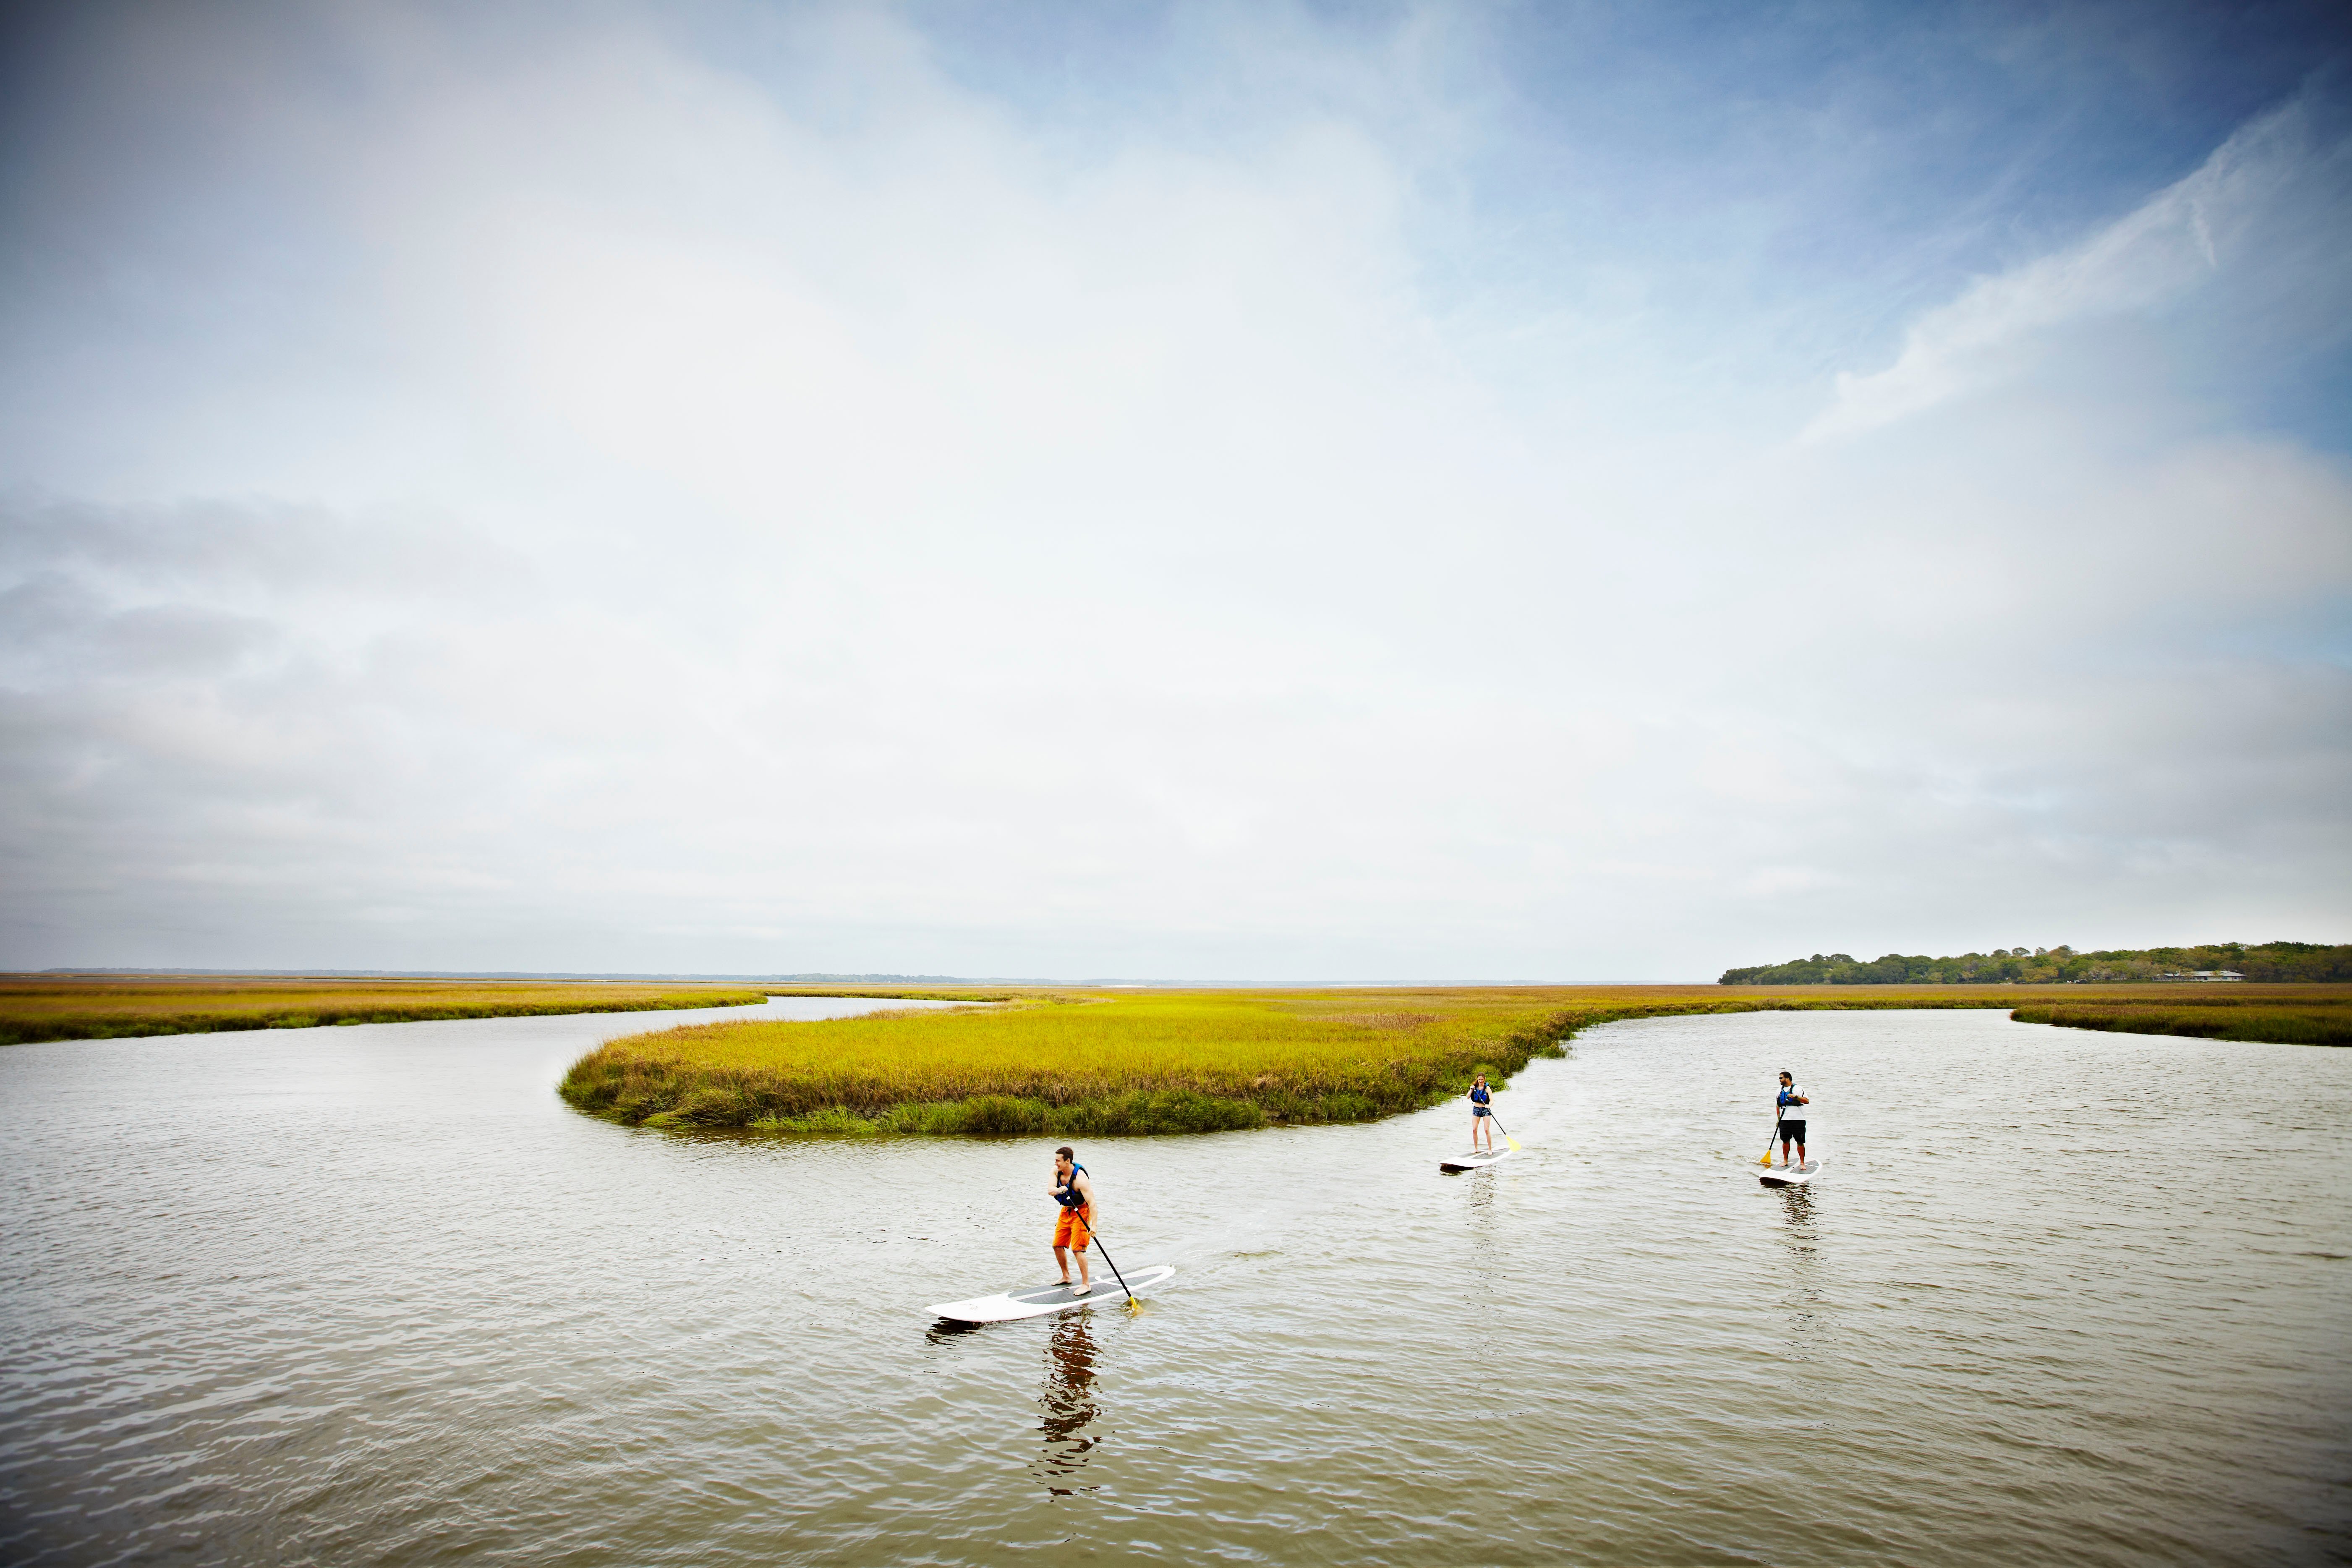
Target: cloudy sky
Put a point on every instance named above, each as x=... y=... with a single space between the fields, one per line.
x=1250 y=492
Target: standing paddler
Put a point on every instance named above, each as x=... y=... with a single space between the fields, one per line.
x=1073 y=1228
x=1482 y=1115
x=1791 y=1106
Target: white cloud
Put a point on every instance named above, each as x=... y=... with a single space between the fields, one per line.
x=672 y=516
x=2176 y=242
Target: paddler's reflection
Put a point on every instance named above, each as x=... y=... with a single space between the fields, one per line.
x=1797 y=1210
x=1801 y=1284
x=1068 y=1401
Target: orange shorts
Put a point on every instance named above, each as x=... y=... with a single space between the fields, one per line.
x=1070 y=1231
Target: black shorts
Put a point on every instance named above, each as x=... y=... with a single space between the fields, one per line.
x=1794 y=1131
x=1480 y=1110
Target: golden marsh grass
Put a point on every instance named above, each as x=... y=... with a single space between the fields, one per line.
x=73 y=1007
x=2284 y=1014
x=1095 y=1062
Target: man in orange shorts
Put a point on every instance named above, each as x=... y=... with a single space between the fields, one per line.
x=1074 y=1226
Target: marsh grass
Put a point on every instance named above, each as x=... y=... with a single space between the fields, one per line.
x=1135 y=1061
x=1153 y=1062
x=53 y=1007
x=2313 y=1016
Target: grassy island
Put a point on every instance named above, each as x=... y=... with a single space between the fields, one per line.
x=94 y=1007
x=1091 y=1063
x=2281 y=1015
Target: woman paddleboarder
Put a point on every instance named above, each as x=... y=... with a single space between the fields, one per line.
x=1482 y=1118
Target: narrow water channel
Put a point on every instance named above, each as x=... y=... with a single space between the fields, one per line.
x=374 y=1294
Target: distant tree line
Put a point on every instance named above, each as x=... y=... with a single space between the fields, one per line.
x=2272 y=960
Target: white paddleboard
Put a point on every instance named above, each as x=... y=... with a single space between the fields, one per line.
x=1036 y=1300
x=1478 y=1159
x=1787 y=1176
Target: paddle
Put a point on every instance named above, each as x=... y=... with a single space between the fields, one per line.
x=1095 y=1238
x=1766 y=1159
x=1504 y=1130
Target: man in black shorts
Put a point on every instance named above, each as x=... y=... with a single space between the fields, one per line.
x=1792 y=1106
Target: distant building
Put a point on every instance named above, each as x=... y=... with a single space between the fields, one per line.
x=2206 y=974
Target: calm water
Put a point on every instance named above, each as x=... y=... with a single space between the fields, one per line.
x=375 y=1295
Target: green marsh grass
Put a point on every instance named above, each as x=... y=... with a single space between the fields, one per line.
x=2293 y=1016
x=68 y=1008
x=1097 y=1063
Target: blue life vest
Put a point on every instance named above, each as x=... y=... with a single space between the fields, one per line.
x=1478 y=1096
x=1069 y=1197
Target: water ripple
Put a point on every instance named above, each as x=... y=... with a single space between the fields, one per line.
x=372 y=1293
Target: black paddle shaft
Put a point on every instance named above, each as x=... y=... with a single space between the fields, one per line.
x=1106 y=1257
x=1114 y=1267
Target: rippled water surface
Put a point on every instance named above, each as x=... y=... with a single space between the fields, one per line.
x=374 y=1294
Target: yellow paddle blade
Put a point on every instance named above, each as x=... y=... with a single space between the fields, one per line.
x=1512 y=1142
x=1766 y=1159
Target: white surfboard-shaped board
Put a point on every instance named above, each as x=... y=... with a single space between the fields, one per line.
x=1786 y=1176
x=1037 y=1300
x=1478 y=1159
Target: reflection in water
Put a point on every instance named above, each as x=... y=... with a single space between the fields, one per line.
x=1801 y=1239
x=1487 y=1345
x=1799 y=1236
x=1482 y=1198
x=1068 y=1401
